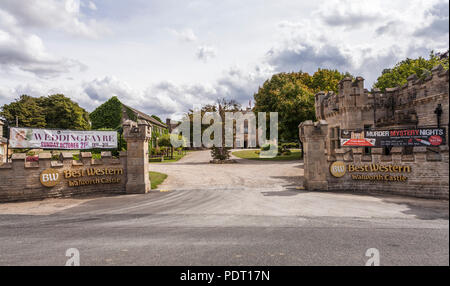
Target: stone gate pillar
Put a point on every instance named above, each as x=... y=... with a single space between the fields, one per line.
x=313 y=137
x=137 y=136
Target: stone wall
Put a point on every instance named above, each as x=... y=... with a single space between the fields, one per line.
x=20 y=180
x=427 y=176
x=408 y=106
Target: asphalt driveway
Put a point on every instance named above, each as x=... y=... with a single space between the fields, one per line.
x=248 y=213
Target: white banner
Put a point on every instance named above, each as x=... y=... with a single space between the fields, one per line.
x=61 y=139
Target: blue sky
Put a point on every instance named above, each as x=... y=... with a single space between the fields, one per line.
x=164 y=56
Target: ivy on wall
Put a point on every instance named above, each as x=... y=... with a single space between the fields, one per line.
x=131 y=114
x=107 y=115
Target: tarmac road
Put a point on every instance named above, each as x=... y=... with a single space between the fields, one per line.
x=233 y=219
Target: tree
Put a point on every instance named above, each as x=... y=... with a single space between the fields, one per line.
x=53 y=111
x=27 y=110
x=221 y=152
x=107 y=115
x=292 y=96
x=61 y=112
x=326 y=80
x=397 y=76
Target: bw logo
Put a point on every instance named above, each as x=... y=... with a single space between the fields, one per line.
x=49 y=177
x=337 y=169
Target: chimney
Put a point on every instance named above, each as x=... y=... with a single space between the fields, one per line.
x=169 y=127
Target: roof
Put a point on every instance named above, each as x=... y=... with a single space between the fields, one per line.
x=146 y=117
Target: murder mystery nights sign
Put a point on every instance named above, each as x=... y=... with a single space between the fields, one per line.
x=61 y=139
x=394 y=138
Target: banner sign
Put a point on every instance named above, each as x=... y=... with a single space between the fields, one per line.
x=61 y=139
x=355 y=139
x=394 y=137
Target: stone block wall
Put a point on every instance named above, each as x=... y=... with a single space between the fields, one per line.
x=20 y=180
x=428 y=176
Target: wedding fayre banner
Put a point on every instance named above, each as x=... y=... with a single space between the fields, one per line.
x=61 y=139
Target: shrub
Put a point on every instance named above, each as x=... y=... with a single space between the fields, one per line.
x=164 y=140
x=287 y=152
x=220 y=153
x=289 y=145
x=265 y=147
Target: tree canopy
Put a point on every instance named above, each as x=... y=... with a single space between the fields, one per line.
x=398 y=75
x=292 y=96
x=53 y=111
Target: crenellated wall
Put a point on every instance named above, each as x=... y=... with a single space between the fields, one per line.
x=407 y=106
x=21 y=180
x=424 y=173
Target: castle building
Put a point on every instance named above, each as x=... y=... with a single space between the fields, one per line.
x=418 y=103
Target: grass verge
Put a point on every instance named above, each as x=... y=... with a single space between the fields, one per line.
x=252 y=155
x=175 y=158
x=156 y=178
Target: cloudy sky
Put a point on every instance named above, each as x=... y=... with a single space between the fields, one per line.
x=164 y=56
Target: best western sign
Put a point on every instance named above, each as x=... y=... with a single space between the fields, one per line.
x=371 y=172
x=81 y=177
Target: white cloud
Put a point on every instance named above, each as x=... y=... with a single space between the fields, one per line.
x=60 y=15
x=92 y=5
x=206 y=52
x=185 y=35
x=26 y=51
x=159 y=76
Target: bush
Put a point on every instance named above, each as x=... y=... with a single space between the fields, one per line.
x=287 y=152
x=164 y=140
x=265 y=147
x=222 y=153
x=289 y=145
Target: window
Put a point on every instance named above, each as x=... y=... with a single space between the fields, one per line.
x=334 y=138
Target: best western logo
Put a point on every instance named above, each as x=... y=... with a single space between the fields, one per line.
x=339 y=169
x=49 y=177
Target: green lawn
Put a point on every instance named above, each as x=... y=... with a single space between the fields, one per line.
x=176 y=157
x=252 y=155
x=156 y=178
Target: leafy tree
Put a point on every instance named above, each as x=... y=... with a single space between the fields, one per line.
x=53 y=111
x=397 y=76
x=326 y=80
x=164 y=141
x=223 y=105
x=107 y=115
x=292 y=96
x=61 y=112
x=29 y=113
